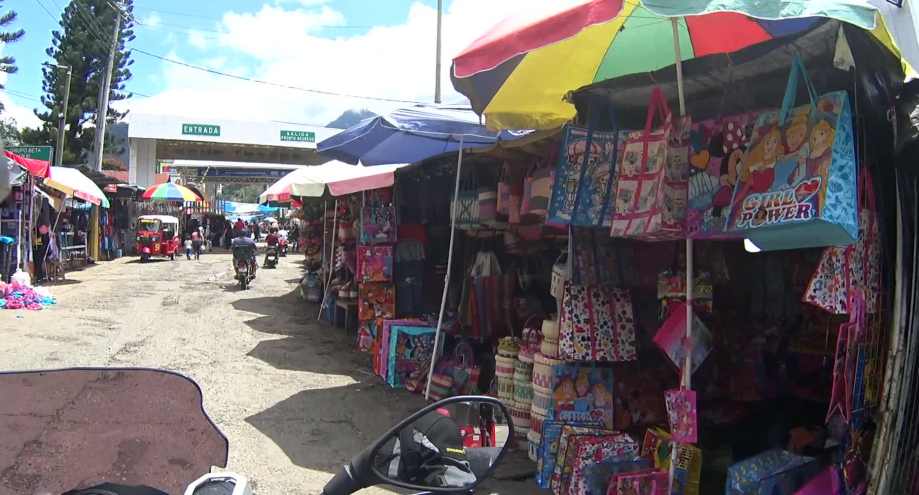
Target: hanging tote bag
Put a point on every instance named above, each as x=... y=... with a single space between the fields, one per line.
x=537 y=190
x=583 y=177
x=717 y=146
x=378 y=221
x=651 y=177
x=466 y=204
x=842 y=268
x=815 y=203
x=596 y=324
x=488 y=204
x=504 y=192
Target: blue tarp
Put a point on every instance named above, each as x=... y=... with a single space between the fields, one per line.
x=410 y=135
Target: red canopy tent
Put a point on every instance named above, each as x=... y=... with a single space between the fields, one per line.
x=38 y=168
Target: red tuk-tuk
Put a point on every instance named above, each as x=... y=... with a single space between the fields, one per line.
x=157 y=235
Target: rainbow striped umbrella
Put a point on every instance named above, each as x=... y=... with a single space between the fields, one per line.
x=170 y=192
x=518 y=73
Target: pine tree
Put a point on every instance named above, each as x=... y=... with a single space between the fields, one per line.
x=8 y=63
x=83 y=44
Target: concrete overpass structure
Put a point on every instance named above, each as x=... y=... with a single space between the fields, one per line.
x=219 y=150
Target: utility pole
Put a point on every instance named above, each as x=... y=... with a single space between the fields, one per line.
x=59 y=147
x=440 y=14
x=102 y=108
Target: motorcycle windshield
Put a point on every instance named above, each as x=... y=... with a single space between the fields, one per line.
x=75 y=428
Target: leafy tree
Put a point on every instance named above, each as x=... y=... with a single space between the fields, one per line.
x=8 y=63
x=83 y=44
x=242 y=193
x=9 y=131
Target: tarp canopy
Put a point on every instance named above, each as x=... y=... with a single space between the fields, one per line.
x=38 y=168
x=410 y=135
x=340 y=179
x=72 y=182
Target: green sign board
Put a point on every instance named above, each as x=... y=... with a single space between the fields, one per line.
x=301 y=136
x=200 y=130
x=36 y=152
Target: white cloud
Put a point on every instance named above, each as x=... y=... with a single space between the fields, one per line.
x=395 y=62
x=153 y=20
x=198 y=39
x=16 y=109
x=304 y=3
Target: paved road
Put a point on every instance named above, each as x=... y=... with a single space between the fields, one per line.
x=292 y=396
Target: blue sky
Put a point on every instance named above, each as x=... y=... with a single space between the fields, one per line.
x=381 y=48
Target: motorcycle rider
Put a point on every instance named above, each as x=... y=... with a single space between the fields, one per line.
x=282 y=236
x=243 y=239
x=272 y=240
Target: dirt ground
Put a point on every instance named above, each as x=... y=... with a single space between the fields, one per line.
x=293 y=397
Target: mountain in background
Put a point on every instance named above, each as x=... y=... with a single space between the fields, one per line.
x=350 y=117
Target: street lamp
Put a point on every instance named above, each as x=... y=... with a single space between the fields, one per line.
x=59 y=151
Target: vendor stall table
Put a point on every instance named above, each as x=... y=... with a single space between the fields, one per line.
x=350 y=307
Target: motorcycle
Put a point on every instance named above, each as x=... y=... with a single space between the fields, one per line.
x=147 y=429
x=271 y=257
x=282 y=248
x=245 y=271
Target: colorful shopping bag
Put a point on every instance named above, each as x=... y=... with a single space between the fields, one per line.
x=646 y=483
x=672 y=339
x=537 y=190
x=547 y=451
x=842 y=268
x=377 y=300
x=465 y=207
x=716 y=149
x=378 y=224
x=368 y=334
x=410 y=349
x=681 y=410
x=776 y=472
x=651 y=177
x=687 y=471
x=596 y=458
x=583 y=178
x=375 y=263
x=596 y=324
x=797 y=187
x=582 y=393
x=568 y=453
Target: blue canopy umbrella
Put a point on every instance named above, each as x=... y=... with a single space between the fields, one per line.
x=410 y=135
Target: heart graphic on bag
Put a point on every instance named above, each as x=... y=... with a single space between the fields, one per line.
x=807 y=189
x=700 y=160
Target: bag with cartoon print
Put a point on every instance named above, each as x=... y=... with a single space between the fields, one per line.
x=583 y=178
x=596 y=324
x=797 y=182
x=651 y=177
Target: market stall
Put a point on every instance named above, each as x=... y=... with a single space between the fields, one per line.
x=781 y=339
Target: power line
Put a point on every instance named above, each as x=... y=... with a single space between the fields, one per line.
x=47 y=11
x=176 y=32
x=21 y=96
x=285 y=86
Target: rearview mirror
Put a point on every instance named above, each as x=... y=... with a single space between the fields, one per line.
x=452 y=445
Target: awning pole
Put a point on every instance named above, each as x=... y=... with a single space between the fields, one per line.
x=325 y=293
x=443 y=298
x=325 y=210
x=690 y=263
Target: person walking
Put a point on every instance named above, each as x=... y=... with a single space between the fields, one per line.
x=196 y=243
x=188 y=247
